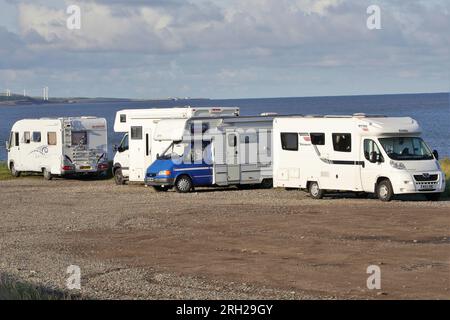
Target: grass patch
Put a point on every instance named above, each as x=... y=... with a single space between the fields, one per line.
x=12 y=289
x=6 y=175
x=445 y=164
x=4 y=172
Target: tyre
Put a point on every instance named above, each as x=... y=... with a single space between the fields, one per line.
x=13 y=170
x=384 y=191
x=47 y=175
x=161 y=188
x=433 y=196
x=118 y=177
x=267 y=184
x=183 y=184
x=315 y=191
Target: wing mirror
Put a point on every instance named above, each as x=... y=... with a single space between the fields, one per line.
x=8 y=146
x=375 y=157
x=436 y=154
x=115 y=148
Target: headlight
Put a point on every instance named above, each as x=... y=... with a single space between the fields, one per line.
x=164 y=173
x=397 y=165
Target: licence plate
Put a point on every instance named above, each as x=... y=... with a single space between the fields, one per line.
x=85 y=167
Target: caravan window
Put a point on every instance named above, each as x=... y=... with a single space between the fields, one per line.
x=123 y=118
x=16 y=139
x=317 y=139
x=289 y=141
x=51 y=138
x=232 y=140
x=136 y=133
x=249 y=138
x=36 y=137
x=26 y=137
x=342 y=142
x=79 y=138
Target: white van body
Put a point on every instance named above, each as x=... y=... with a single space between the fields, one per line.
x=355 y=153
x=240 y=152
x=61 y=146
x=139 y=148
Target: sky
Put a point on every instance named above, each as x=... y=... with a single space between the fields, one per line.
x=224 y=48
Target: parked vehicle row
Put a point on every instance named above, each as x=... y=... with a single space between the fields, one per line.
x=62 y=146
x=185 y=148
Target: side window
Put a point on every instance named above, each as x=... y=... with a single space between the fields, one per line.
x=369 y=147
x=11 y=139
x=136 y=133
x=232 y=140
x=342 y=142
x=123 y=118
x=124 y=144
x=16 y=139
x=37 y=137
x=317 y=139
x=249 y=138
x=51 y=138
x=289 y=141
x=26 y=137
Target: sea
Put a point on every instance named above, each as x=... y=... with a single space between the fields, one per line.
x=431 y=110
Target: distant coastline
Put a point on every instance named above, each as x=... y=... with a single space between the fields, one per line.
x=16 y=100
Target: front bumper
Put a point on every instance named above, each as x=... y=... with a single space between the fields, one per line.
x=155 y=181
x=407 y=184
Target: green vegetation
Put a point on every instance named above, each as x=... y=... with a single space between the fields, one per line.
x=11 y=289
x=4 y=172
x=6 y=175
x=445 y=164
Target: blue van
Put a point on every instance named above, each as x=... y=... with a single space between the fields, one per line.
x=183 y=166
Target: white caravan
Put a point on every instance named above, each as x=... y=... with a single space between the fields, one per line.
x=364 y=154
x=58 y=147
x=220 y=151
x=139 y=148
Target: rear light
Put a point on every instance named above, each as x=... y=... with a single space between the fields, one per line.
x=67 y=168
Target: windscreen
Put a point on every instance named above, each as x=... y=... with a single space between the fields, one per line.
x=406 y=148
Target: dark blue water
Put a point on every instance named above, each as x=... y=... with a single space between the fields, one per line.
x=431 y=110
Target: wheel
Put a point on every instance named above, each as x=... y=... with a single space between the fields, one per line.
x=385 y=191
x=47 y=175
x=433 y=196
x=267 y=184
x=161 y=188
x=118 y=177
x=14 y=172
x=315 y=191
x=183 y=184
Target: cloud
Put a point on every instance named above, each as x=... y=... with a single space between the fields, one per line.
x=240 y=44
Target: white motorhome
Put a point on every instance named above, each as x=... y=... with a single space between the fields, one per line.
x=58 y=147
x=139 y=148
x=219 y=151
x=364 y=154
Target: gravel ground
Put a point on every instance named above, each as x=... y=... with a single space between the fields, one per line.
x=133 y=243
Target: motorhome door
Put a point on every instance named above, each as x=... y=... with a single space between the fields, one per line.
x=372 y=168
x=140 y=152
x=232 y=157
